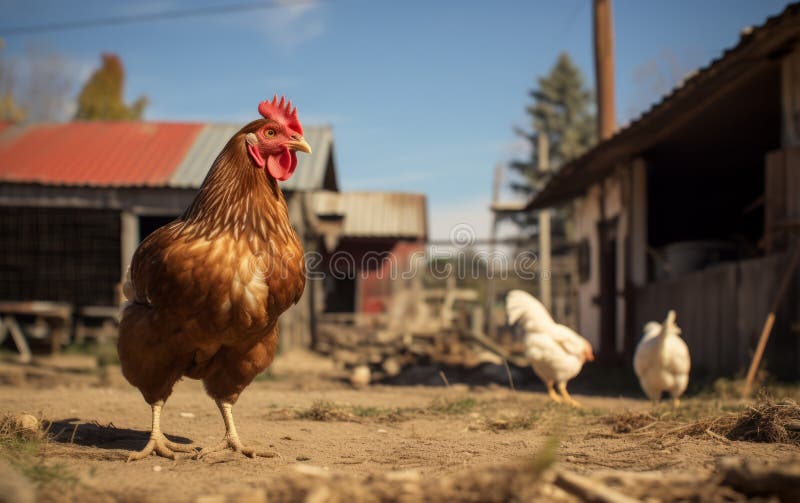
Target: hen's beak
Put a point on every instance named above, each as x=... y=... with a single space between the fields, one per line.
x=299 y=144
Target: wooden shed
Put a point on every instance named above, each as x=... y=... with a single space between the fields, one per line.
x=694 y=206
x=372 y=239
x=77 y=198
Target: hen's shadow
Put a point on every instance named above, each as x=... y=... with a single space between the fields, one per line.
x=103 y=436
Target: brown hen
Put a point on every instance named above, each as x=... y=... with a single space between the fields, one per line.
x=205 y=291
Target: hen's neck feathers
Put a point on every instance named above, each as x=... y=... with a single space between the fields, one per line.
x=238 y=198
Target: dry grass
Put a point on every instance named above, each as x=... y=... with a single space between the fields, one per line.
x=629 y=422
x=22 y=445
x=325 y=411
x=452 y=407
x=767 y=421
x=328 y=411
x=512 y=422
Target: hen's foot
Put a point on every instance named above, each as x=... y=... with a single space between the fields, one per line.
x=551 y=392
x=158 y=443
x=160 y=446
x=234 y=444
x=231 y=439
x=229 y=442
x=562 y=387
x=676 y=402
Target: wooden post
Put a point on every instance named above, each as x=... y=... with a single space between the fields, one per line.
x=128 y=241
x=770 y=321
x=604 y=68
x=491 y=290
x=606 y=125
x=545 y=262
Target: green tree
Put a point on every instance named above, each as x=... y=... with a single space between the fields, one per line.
x=562 y=109
x=102 y=96
x=10 y=111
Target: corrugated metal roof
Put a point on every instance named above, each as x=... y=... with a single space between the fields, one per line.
x=375 y=214
x=192 y=170
x=119 y=154
x=565 y=185
x=310 y=173
x=95 y=153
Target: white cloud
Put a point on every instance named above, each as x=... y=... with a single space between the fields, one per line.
x=471 y=215
x=294 y=23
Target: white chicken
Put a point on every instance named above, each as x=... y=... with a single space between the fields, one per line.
x=662 y=360
x=556 y=352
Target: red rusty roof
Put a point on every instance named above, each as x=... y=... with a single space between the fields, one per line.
x=95 y=153
x=4 y=125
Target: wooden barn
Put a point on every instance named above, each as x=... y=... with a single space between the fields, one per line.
x=371 y=241
x=694 y=206
x=77 y=198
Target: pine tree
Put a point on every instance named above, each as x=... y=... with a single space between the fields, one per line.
x=562 y=109
x=102 y=96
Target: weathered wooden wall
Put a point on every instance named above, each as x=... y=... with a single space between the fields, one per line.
x=721 y=311
x=782 y=198
x=59 y=254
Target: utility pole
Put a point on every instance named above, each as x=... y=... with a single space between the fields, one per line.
x=604 y=68
x=545 y=267
x=606 y=124
x=491 y=292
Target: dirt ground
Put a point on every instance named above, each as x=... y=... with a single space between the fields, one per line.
x=318 y=426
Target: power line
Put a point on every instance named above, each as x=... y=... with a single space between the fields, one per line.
x=152 y=16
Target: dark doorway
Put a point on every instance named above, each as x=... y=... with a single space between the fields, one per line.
x=607 y=232
x=340 y=295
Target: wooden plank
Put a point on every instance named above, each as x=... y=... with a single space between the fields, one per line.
x=790 y=99
x=774 y=196
x=720 y=310
x=25 y=355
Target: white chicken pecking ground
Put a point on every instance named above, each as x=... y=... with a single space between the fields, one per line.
x=662 y=360
x=556 y=352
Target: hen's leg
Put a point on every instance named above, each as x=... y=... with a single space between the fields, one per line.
x=231 y=440
x=158 y=443
x=562 y=388
x=551 y=392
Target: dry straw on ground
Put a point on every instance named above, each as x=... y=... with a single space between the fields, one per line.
x=767 y=421
x=629 y=422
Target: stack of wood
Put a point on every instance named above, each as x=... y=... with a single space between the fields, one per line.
x=352 y=346
x=432 y=326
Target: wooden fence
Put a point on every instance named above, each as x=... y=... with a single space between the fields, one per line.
x=721 y=311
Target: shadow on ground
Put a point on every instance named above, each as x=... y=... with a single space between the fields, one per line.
x=616 y=381
x=102 y=436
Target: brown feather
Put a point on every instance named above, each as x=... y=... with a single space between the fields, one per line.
x=205 y=292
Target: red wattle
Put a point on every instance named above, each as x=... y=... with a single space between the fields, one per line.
x=282 y=166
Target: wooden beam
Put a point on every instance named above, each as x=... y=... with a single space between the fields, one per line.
x=545 y=265
x=604 y=68
x=128 y=240
x=491 y=290
x=25 y=355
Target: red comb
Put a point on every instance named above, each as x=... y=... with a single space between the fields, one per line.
x=281 y=112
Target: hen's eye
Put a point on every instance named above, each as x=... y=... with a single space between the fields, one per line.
x=269 y=133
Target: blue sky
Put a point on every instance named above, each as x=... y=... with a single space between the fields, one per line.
x=422 y=95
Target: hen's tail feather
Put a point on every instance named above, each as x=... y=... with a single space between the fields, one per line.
x=669 y=326
x=522 y=306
